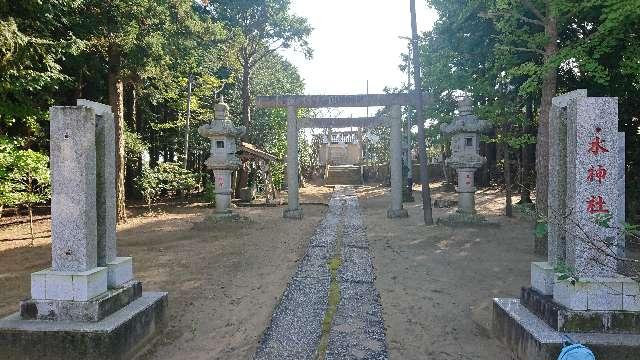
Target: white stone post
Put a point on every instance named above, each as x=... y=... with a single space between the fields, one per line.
x=293 y=210
x=396 y=209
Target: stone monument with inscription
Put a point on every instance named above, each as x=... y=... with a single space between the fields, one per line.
x=465 y=156
x=88 y=304
x=578 y=290
x=223 y=160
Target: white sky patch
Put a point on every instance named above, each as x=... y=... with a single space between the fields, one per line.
x=355 y=41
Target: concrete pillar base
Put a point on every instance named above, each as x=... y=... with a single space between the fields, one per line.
x=296 y=214
x=466 y=203
x=399 y=213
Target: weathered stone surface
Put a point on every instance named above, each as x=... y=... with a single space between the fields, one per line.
x=73 y=198
x=119 y=336
x=592 y=143
x=396 y=165
x=563 y=319
x=557 y=191
x=530 y=338
x=542 y=277
x=465 y=152
x=64 y=285
x=91 y=310
x=293 y=198
x=105 y=181
x=120 y=271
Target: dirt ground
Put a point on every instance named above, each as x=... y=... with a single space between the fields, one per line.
x=224 y=280
x=437 y=282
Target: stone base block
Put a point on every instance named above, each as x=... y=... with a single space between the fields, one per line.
x=121 y=335
x=561 y=318
x=399 y=213
x=296 y=214
x=542 y=277
x=120 y=271
x=601 y=294
x=93 y=310
x=530 y=338
x=62 y=285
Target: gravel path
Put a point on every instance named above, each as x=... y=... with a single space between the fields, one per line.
x=357 y=329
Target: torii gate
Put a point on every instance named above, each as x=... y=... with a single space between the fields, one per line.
x=294 y=102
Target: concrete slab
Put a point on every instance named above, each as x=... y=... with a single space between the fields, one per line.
x=530 y=338
x=95 y=309
x=119 y=336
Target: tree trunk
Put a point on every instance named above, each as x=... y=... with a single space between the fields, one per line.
x=187 y=127
x=132 y=171
x=246 y=96
x=31 y=223
x=508 y=210
x=422 y=149
x=1 y=208
x=525 y=193
x=116 y=100
x=548 y=92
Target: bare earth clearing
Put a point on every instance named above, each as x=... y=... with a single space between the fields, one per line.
x=224 y=280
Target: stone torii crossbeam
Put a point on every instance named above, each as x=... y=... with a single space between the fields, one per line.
x=330 y=123
x=294 y=102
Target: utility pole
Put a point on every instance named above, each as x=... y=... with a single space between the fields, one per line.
x=422 y=148
x=186 y=128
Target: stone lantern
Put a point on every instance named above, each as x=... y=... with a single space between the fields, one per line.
x=223 y=160
x=465 y=152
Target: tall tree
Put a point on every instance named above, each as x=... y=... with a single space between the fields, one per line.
x=263 y=26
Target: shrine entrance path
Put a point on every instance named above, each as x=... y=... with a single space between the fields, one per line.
x=331 y=307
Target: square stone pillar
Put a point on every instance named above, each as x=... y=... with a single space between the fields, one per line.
x=396 y=210
x=293 y=210
x=75 y=274
x=120 y=269
x=592 y=186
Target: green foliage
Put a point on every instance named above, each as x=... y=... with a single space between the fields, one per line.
x=542 y=228
x=565 y=272
x=166 y=178
x=134 y=145
x=24 y=176
x=603 y=220
x=209 y=194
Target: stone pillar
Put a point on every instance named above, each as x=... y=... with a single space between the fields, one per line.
x=586 y=207
x=592 y=185
x=73 y=198
x=120 y=269
x=396 y=209
x=557 y=202
x=621 y=193
x=466 y=190
x=293 y=210
x=88 y=302
x=75 y=275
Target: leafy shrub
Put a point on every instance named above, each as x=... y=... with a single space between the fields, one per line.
x=166 y=178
